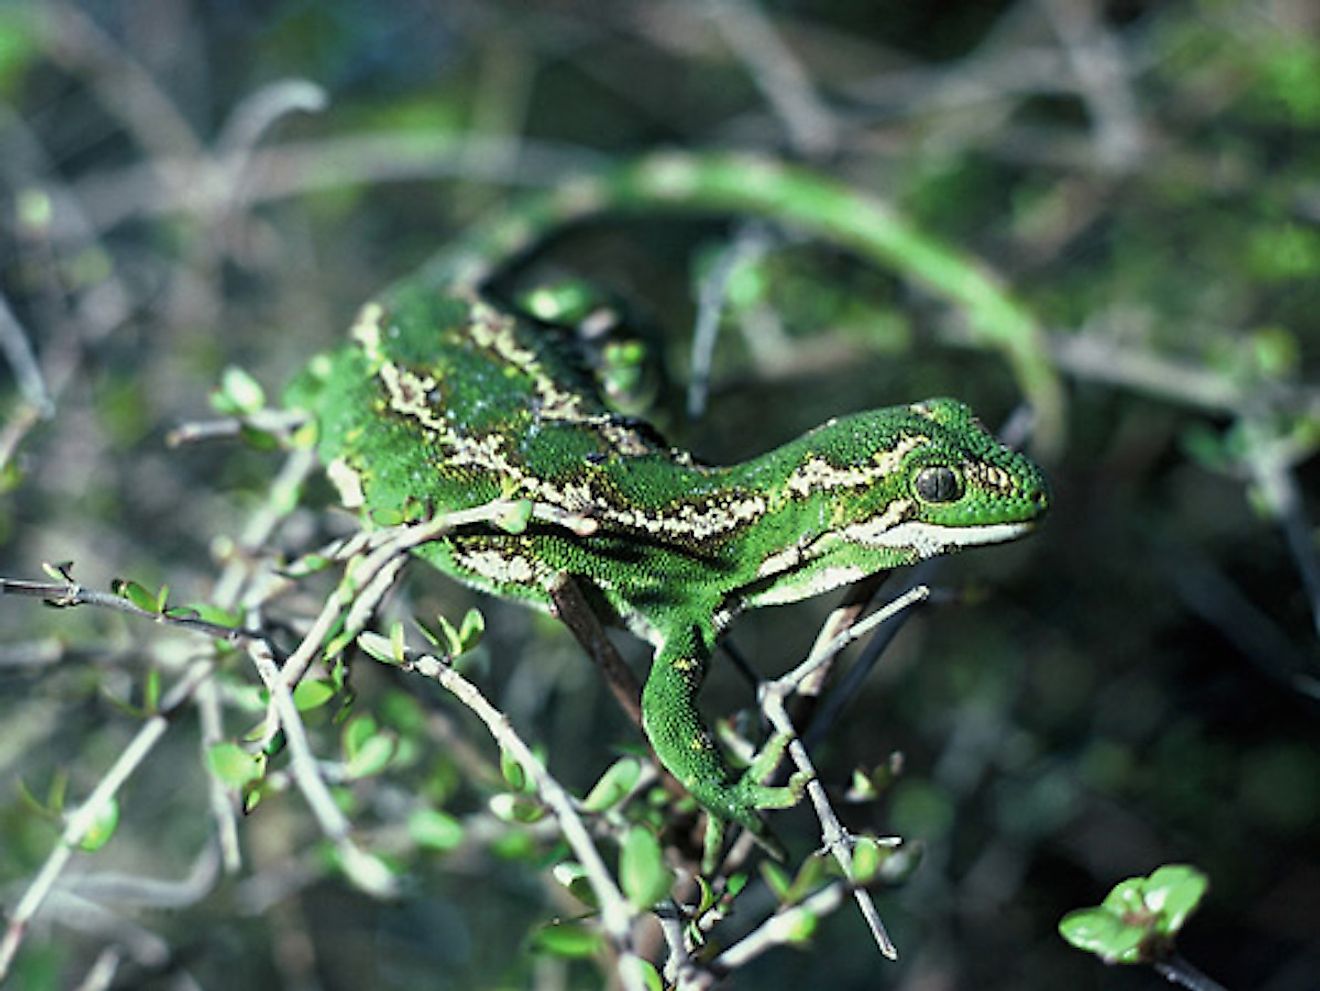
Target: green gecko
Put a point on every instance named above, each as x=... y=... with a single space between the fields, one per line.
x=445 y=400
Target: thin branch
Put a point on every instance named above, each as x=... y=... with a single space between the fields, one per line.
x=361 y=867
x=1098 y=357
x=1178 y=970
x=748 y=246
x=833 y=835
x=274 y=421
x=1267 y=461
x=201 y=185
x=75 y=41
x=1097 y=63
x=783 y=927
x=780 y=76
x=86 y=815
x=573 y=610
x=617 y=916
x=258 y=112
x=18 y=352
x=100 y=976
x=149 y=892
x=66 y=595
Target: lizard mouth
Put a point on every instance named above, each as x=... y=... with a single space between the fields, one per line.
x=931 y=539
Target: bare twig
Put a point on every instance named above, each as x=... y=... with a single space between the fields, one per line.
x=811 y=125
x=365 y=870
x=201 y=185
x=259 y=111
x=276 y=421
x=785 y=926
x=150 y=892
x=1103 y=80
x=18 y=352
x=101 y=975
x=748 y=246
x=835 y=838
x=573 y=610
x=1100 y=358
x=66 y=595
x=617 y=916
x=75 y=41
x=86 y=815
x=1178 y=970
x=1267 y=461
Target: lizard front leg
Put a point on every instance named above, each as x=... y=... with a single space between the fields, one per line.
x=687 y=749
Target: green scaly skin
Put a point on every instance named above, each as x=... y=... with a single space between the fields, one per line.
x=442 y=402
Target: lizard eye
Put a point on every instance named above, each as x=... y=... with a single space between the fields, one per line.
x=938 y=484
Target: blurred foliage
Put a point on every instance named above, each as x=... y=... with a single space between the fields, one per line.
x=1135 y=685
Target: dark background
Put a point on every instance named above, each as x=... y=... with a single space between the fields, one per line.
x=1135 y=685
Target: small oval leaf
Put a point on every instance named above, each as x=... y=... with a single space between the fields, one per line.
x=434 y=830
x=645 y=877
x=102 y=827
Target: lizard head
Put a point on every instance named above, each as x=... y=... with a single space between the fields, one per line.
x=943 y=482
x=887 y=488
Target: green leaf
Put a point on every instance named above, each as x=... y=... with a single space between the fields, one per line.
x=513 y=771
x=312 y=694
x=355 y=735
x=809 y=877
x=1140 y=916
x=162 y=598
x=645 y=877
x=1175 y=891
x=54 y=804
x=515 y=517
x=434 y=830
x=151 y=691
x=867 y=860
x=776 y=879
x=454 y=641
x=233 y=765
x=60 y=571
x=470 y=633
x=736 y=883
x=650 y=977
x=372 y=755
x=137 y=594
x=102 y=827
x=570 y=940
x=1099 y=931
x=368 y=872
x=238 y=392
x=573 y=876
x=398 y=643
x=216 y=615
x=614 y=785
x=516 y=808
x=804 y=927
x=377 y=647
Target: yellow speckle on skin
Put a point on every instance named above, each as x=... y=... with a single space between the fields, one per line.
x=818 y=475
x=868 y=532
x=366 y=328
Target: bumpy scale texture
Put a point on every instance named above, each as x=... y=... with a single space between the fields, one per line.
x=442 y=403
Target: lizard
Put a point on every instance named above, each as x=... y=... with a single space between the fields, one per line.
x=446 y=398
